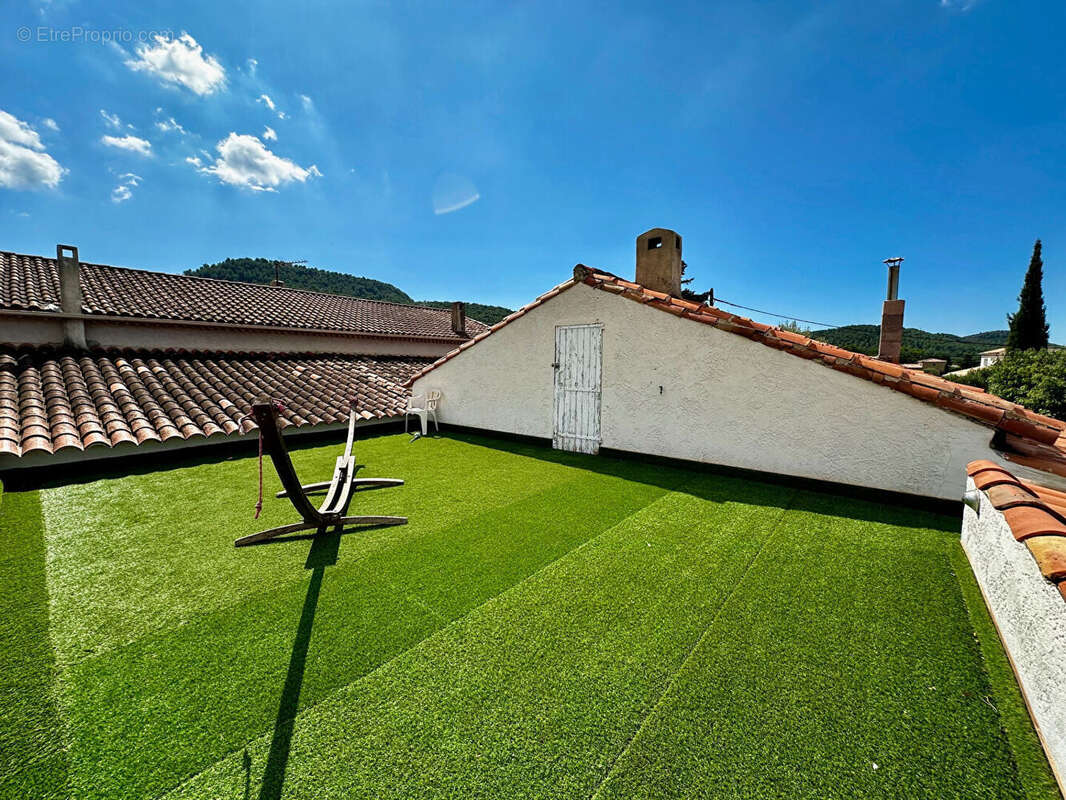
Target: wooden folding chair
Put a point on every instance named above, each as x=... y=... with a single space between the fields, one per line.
x=339 y=491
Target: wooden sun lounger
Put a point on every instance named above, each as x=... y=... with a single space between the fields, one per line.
x=332 y=513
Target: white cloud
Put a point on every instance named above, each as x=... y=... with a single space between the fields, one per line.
x=270 y=135
x=132 y=143
x=245 y=161
x=50 y=123
x=24 y=164
x=308 y=103
x=265 y=100
x=124 y=191
x=958 y=5
x=252 y=64
x=112 y=120
x=181 y=62
x=170 y=124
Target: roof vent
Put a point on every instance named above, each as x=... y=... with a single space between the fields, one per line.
x=659 y=261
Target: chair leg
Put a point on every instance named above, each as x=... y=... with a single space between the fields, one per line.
x=273 y=533
x=423 y=419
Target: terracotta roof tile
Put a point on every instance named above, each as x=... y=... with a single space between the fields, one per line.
x=1050 y=555
x=1044 y=436
x=1033 y=520
x=1035 y=514
x=31 y=283
x=52 y=400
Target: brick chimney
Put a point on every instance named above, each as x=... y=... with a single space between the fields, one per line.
x=659 y=261
x=459 y=318
x=70 y=298
x=891 y=343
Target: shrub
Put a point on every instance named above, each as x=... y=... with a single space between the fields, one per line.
x=1035 y=379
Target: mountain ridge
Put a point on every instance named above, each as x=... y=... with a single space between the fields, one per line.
x=316 y=279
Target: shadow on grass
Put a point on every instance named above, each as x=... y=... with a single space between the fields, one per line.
x=323 y=554
x=33 y=755
x=733 y=484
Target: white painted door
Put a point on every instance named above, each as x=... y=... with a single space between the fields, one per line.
x=578 y=359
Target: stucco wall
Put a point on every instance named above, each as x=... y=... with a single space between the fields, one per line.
x=724 y=400
x=1031 y=617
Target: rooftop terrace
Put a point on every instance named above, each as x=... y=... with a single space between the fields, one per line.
x=547 y=625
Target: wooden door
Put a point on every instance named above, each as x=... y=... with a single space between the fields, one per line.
x=578 y=366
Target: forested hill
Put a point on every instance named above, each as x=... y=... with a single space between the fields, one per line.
x=299 y=276
x=917 y=344
x=490 y=315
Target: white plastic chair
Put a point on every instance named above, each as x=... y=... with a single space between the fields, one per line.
x=423 y=406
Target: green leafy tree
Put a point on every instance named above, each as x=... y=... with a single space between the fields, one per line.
x=1035 y=379
x=794 y=326
x=1028 y=327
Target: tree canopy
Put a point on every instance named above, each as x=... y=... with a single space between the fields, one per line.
x=1035 y=379
x=1028 y=326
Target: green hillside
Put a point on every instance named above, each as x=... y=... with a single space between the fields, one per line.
x=490 y=315
x=299 y=276
x=917 y=344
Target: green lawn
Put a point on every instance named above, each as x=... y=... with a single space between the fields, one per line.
x=547 y=625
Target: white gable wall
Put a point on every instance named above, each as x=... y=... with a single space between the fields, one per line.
x=725 y=400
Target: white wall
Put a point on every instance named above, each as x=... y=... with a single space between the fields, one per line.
x=725 y=400
x=1030 y=616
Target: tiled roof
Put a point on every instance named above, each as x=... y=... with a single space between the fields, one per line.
x=51 y=400
x=1036 y=515
x=1015 y=422
x=32 y=283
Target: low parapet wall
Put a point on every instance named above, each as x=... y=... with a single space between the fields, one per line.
x=1030 y=614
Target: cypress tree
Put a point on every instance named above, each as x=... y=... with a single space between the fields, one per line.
x=1028 y=327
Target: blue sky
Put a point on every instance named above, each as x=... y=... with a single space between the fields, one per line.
x=479 y=150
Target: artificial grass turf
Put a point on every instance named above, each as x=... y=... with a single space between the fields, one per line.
x=32 y=758
x=1033 y=769
x=511 y=641
x=147 y=699
x=855 y=675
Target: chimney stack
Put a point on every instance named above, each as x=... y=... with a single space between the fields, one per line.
x=459 y=318
x=70 y=298
x=891 y=343
x=659 y=261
